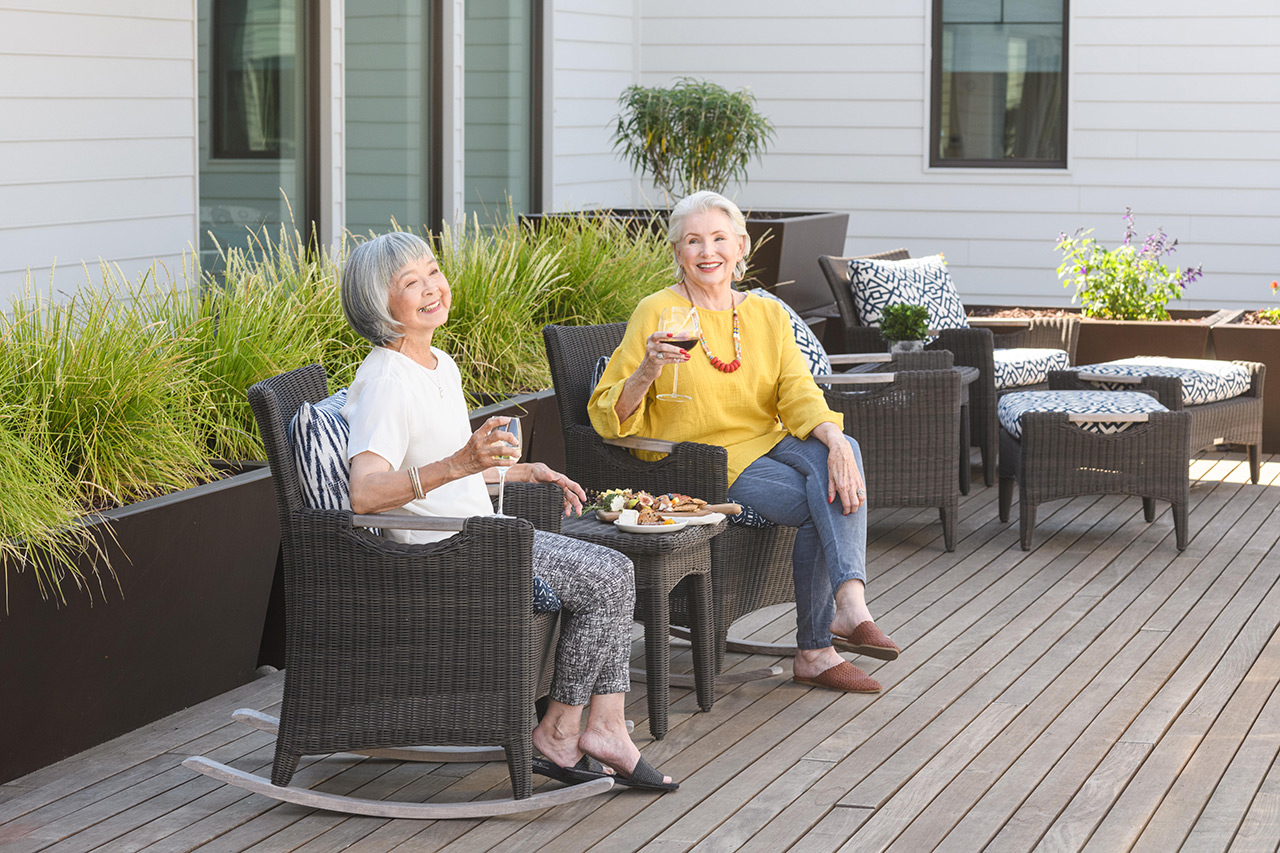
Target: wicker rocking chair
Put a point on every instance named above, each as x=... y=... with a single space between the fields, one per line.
x=391 y=645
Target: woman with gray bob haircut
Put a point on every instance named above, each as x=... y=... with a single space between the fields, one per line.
x=412 y=452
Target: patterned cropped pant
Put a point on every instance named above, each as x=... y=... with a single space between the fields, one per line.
x=597 y=586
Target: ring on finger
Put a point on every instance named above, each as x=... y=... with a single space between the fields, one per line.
x=862 y=493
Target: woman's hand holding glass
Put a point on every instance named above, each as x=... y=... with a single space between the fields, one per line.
x=509 y=452
x=678 y=332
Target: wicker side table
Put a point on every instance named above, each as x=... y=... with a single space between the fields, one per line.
x=662 y=560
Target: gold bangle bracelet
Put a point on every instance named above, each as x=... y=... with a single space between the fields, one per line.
x=414 y=481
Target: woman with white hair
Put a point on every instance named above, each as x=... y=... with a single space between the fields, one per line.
x=746 y=381
x=412 y=452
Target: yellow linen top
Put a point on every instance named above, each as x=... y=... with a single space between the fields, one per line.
x=739 y=411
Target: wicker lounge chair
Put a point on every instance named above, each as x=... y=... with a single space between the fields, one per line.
x=1237 y=420
x=750 y=566
x=973 y=347
x=390 y=646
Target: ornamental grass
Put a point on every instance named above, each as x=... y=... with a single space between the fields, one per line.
x=129 y=390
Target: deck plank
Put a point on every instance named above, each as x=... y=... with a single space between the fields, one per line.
x=1101 y=691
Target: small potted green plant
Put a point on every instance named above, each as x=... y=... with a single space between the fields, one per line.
x=905 y=326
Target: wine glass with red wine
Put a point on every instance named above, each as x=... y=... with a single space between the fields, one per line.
x=682 y=325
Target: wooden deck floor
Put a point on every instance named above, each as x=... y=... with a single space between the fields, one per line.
x=1101 y=692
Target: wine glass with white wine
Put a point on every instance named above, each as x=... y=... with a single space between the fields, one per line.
x=512 y=452
x=682 y=325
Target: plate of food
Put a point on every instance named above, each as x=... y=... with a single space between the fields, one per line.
x=609 y=506
x=666 y=525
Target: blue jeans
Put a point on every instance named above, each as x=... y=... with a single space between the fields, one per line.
x=789 y=487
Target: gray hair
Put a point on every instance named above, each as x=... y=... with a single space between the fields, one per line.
x=366 y=283
x=705 y=201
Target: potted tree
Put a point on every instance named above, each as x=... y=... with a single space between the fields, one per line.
x=1255 y=336
x=697 y=135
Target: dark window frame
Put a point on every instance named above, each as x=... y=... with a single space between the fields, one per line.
x=935 y=104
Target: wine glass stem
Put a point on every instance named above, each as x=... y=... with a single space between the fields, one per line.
x=675 y=379
x=502 y=484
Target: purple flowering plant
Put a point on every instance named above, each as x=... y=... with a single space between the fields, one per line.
x=1129 y=282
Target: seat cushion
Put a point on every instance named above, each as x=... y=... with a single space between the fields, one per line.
x=815 y=355
x=1203 y=380
x=1013 y=406
x=1021 y=366
x=318 y=434
x=918 y=281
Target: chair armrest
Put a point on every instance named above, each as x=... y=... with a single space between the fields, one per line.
x=854 y=378
x=656 y=445
x=859 y=357
x=541 y=504
x=394 y=521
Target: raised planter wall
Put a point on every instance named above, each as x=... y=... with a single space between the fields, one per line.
x=1237 y=341
x=1107 y=340
x=195 y=570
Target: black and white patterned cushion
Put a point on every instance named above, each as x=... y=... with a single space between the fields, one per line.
x=318 y=434
x=1012 y=407
x=602 y=364
x=1020 y=366
x=925 y=281
x=1203 y=380
x=750 y=518
x=810 y=347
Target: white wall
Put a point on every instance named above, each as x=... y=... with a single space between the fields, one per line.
x=98 y=137
x=594 y=55
x=1174 y=110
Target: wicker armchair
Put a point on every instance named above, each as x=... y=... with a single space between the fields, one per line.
x=906 y=420
x=391 y=645
x=750 y=566
x=972 y=347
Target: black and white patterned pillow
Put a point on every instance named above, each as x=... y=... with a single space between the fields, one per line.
x=815 y=356
x=924 y=281
x=1019 y=366
x=1204 y=380
x=750 y=518
x=1013 y=406
x=318 y=434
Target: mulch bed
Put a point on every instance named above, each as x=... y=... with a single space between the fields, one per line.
x=1257 y=318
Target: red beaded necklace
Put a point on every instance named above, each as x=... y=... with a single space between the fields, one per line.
x=737 y=342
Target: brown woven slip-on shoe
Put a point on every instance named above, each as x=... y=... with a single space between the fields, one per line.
x=843 y=676
x=867 y=639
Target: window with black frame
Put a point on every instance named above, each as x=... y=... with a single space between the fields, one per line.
x=999 y=80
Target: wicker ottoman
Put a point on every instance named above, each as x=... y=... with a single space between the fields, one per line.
x=1223 y=397
x=1062 y=444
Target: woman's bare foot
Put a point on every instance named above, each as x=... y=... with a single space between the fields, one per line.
x=611 y=745
x=557 y=742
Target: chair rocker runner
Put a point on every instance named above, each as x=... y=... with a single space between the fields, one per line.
x=390 y=645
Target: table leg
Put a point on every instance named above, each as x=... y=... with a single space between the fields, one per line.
x=704 y=640
x=965 y=467
x=657 y=619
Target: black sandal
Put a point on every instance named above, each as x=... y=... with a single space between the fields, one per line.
x=585 y=770
x=646 y=777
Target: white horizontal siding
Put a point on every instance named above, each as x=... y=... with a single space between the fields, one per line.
x=593 y=49
x=1174 y=111
x=97 y=146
